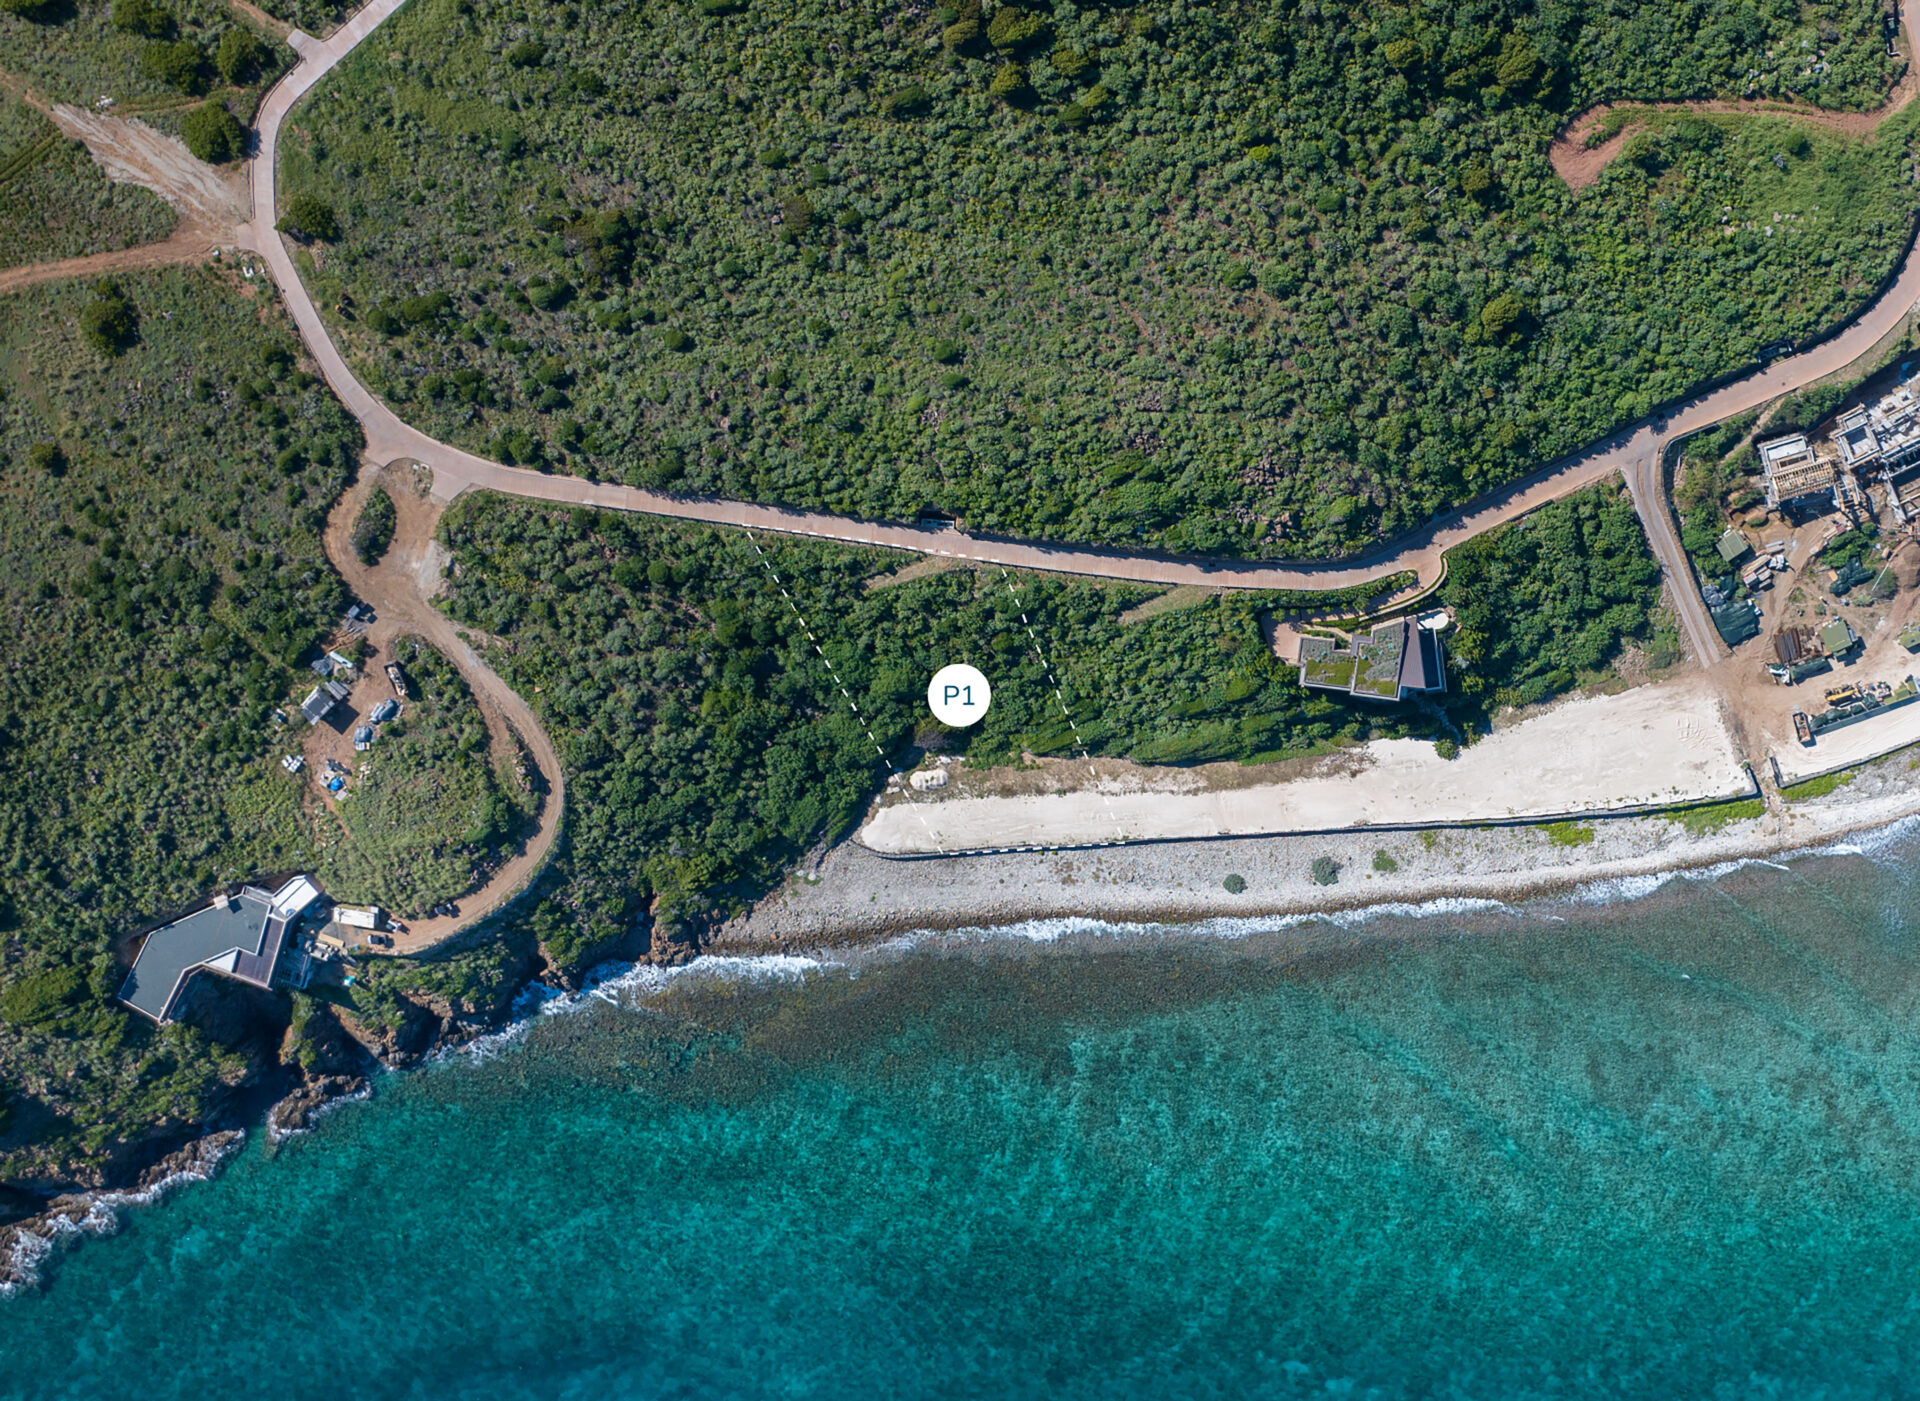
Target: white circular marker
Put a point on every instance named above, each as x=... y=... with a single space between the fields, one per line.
x=958 y=695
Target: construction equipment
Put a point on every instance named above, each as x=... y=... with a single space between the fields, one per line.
x=1843 y=695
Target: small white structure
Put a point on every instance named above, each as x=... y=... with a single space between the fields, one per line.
x=354 y=918
x=293 y=763
x=928 y=778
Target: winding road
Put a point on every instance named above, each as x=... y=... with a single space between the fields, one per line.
x=1635 y=452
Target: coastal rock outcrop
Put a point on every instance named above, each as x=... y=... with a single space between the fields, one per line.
x=25 y=1245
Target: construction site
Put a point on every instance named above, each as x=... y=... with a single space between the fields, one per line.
x=1816 y=588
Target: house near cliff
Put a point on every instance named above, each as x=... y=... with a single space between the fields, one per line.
x=238 y=936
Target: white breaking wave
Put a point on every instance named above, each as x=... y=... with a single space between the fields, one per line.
x=1618 y=889
x=30 y=1249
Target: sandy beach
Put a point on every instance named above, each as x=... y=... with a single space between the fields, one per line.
x=848 y=894
x=1648 y=747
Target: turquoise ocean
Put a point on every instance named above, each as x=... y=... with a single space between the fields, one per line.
x=1633 y=1142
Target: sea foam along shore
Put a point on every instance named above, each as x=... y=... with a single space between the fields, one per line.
x=25 y=1245
x=849 y=895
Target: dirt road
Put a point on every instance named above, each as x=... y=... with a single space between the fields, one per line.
x=1580 y=165
x=399 y=589
x=207 y=202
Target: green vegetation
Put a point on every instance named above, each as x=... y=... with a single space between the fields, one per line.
x=309 y=217
x=706 y=744
x=1703 y=819
x=1235 y=883
x=214 y=134
x=110 y=322
x=373 y=532
x=1546 y=601
x=1384 y=863
x=1818 y=787
x=56 y=203
x=1569 y=833
x=1324 y=870
x=430 y=810
x=147 y=56
x=1711 y=484
x=1256 y=277
x=161 y=573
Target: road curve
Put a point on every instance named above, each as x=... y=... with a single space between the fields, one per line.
x=1634 y=452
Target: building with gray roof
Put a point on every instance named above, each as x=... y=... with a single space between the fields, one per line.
x=238 y=936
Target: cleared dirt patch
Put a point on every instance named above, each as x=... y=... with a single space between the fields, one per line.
x=134 y=153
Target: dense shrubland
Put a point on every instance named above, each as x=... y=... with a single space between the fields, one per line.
x=706 y=743
x=162 y=578
x=1267 y=277
x=1545 y=602
x=56 y=203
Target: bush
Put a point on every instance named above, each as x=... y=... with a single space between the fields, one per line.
x=178 y=63
x=1384 y=863
x=909 y=101
x=43 y=996
x=373 y=532
x=1010 y=28
x=1325 y=870
x=214 y=134
x=1235 y=883
x=675 y=339
x=142 y=17
x=47 y=457
x=109 y=322
x=527 y=53
x=1010 y=79
x=1446 y=748
x=239 y=56
x=309 y=216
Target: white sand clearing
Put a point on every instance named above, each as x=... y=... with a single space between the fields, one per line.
x=1653 y=746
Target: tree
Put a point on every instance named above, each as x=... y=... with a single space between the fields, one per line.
x=1010 y=28
x=1502 y=314
x=109 y=322
x=214 y=134
x=1010 y=79
x=142 y=17
x=309 y=216
x=179 y=63
x=239 y=56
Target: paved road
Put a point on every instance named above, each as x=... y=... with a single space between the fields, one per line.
x=1633 y=452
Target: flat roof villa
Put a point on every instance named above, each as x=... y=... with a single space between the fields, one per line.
x=238 y=936
x=1393 y=661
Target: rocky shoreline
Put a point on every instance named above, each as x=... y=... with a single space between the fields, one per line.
x=25 y=1245
x=846 y=896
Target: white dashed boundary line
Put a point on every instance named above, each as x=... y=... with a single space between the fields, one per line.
x=1093 y=774
x=834 y=672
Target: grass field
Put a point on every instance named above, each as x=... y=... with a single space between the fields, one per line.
x=428 y=813
x=56 y=203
